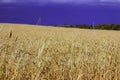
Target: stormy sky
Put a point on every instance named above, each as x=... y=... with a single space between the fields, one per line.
x=59 y=12
x=61 y=1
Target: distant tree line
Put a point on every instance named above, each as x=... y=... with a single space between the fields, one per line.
x=100 y=26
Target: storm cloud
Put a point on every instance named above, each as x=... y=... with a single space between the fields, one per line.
x=59 y=1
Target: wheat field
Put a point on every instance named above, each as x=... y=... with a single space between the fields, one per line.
x=30 y=52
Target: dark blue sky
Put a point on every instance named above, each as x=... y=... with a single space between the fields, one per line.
x=55 y=12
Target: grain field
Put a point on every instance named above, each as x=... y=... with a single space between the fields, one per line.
x=48 y=53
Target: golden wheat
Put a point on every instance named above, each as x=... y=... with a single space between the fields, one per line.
x=48 y=53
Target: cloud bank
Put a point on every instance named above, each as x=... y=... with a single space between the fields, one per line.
x=47 y=1
x=60 y=1
x=110 y=0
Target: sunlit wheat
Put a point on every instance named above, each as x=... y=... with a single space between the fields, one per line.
x=50 y=53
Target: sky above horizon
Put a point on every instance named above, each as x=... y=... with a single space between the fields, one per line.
x=100 y=11
x=62 y=1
